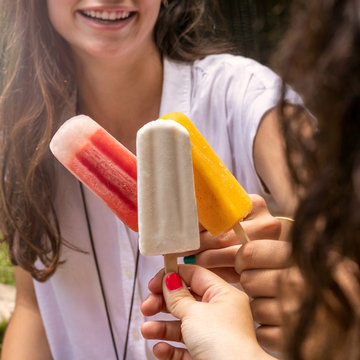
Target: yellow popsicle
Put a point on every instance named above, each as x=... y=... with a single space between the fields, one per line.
x=222 y=202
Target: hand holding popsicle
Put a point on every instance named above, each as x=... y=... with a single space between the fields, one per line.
x=257 y=269
x=222 y=202
x=218 y=253
x=217 y=305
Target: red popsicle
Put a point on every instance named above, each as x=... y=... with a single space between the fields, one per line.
x=98 y=160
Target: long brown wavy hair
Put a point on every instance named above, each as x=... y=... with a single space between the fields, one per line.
x=36 y=82
x=320 y=58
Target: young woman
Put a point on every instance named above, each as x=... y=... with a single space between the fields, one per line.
x=123 y=63
x=320 y=57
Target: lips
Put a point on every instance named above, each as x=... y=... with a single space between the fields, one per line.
x=107 y=16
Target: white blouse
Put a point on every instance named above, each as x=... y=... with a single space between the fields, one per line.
x=226 y=97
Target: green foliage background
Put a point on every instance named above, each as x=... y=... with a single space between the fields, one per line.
x=2 y=332
x=6 y=269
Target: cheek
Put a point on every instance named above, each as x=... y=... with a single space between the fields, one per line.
x=150 y=15
x=60 y=11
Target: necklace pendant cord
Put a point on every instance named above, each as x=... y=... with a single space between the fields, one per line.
x=98 y=271
x=102 y=285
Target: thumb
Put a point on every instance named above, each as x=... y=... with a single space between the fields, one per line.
x=177 y=296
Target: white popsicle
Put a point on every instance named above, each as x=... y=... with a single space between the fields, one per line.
x=168 y=221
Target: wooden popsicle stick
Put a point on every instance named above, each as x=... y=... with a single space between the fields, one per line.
x=241 y=234
x=170 y=262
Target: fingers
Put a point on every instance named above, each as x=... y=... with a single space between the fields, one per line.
x=266 y=311
x=260 y=269
x=263 y=254
x=218 y=251
x=258 y=206
x=260 y=283
x=292 y=291
x=270 y=338
x=260 y=224
x=260 y=265
x=266 y=227
x=218 y=258
x=209 y=241
x=155 y=284
x=177 y=301
x=162 y=330
x=228 y=274
x=218 y=302
x=187 y=273
x=257 y=226
x=256 y=254
x=200 y=280
x=165 y=351
x=153 y=304
x=286 y=226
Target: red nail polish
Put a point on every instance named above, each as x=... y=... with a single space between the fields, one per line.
x=173 y=281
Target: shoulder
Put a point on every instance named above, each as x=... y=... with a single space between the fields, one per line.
x=236 y=68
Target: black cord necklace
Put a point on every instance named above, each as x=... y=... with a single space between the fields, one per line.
x=131 y=303
x=102 y=285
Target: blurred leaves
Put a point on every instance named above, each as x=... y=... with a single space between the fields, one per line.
x=6 y=268
x=3 y=325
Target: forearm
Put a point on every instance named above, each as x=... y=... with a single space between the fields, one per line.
x=271 y=165
x=25 y=337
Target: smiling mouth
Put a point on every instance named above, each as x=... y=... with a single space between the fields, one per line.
x=106 y=17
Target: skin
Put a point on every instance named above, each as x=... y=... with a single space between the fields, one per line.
x=270 y=163
x=260 y=272
x=130 y=53
x=25 y=336
x=218 y=253
x=253 y=267
x=218 y=306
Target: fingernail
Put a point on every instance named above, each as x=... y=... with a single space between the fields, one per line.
x=173 y=281
x=189 y=259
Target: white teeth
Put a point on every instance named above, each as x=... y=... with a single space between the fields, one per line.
x=107 y=15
